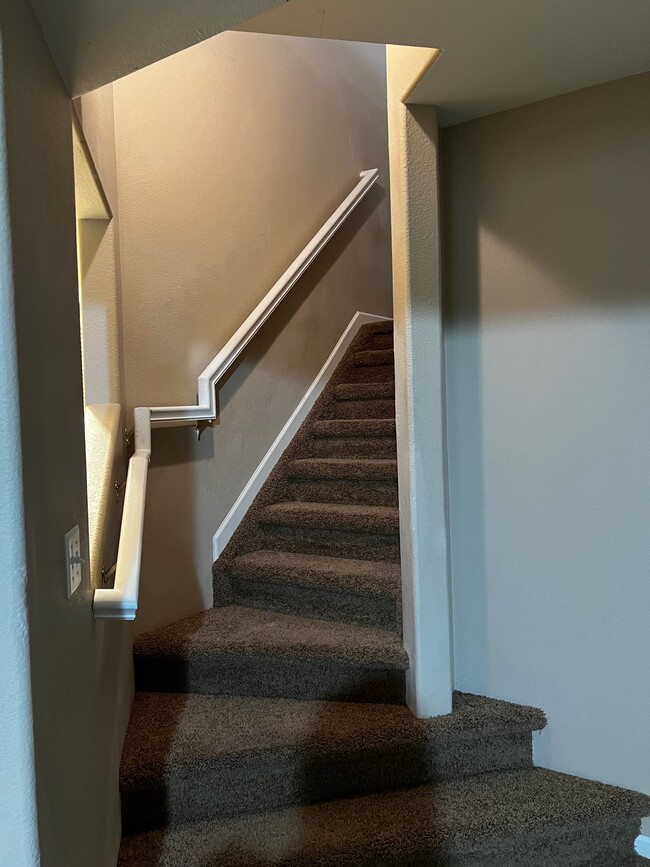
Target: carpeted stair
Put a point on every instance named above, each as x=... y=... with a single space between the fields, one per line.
x=271 y=729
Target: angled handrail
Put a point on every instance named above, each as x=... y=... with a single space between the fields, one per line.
x=121 y=602
x=206 y=409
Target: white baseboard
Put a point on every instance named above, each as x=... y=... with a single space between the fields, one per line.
x=642 y=846
x=261 y=474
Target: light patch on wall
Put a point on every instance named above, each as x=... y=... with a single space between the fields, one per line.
x=99 y=325
x=102 y=427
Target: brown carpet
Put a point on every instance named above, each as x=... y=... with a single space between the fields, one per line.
x=271 y=730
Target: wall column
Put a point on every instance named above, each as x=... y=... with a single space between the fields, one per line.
x=413 y=145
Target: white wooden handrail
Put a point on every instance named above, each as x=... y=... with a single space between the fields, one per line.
x=121 y=602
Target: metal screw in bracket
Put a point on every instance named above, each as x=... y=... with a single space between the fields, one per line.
x=201 y=426
x=119 y=487
x=107 y=574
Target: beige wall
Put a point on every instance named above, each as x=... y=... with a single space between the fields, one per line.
x=547 y=210
x=230 y=157
x=80 y=671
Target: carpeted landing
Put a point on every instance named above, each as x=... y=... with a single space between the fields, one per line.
x=271 y=730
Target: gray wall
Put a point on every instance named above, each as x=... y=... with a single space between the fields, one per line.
x=230 y=157
x=547 y=210
x=18 y=816
x=80 y=670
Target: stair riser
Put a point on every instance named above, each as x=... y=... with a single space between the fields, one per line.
x=371 y=428
x=322 y=603
x=382 y=341
x=331 y=543
x=347 y=470
x=271 y=676
x=377 y=373
x=599 y=844
x=365 y=391
x=348 y=492
x=266 y=783
x=294 y=516
x=363 y=409
x=353 y=447
x=374 y=358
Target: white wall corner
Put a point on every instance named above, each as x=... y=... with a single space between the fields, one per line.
x=254 y=485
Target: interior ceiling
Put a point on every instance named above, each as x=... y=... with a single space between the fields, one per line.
x=496 y=54
x=95 y=42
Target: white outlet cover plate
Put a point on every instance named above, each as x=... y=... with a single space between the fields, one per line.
x=72 y=560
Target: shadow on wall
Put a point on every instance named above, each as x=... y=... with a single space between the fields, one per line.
x=193 y=484
x=461 y=307
x=546 y=228
x=554 y=197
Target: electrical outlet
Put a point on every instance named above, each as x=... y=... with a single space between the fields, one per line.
x=73 y=561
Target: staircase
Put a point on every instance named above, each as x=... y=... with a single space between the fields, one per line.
x=272 y=729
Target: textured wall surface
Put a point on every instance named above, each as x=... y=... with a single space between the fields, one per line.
x=547 y=211
x=413 y=137
x=230 y=157
x=80 y=670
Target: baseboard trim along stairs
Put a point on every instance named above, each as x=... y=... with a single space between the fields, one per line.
x=272 y=729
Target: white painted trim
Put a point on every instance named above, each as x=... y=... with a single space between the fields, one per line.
x=642 y=845
x=244 y=501
x=121 y=602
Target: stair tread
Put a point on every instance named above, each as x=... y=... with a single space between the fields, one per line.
x=360 y=576
x=365 y=391
x=253 y=632
x=333 y=516
x=185 y=729
x=344 y=468
x=358 y=427
x=449 y=819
